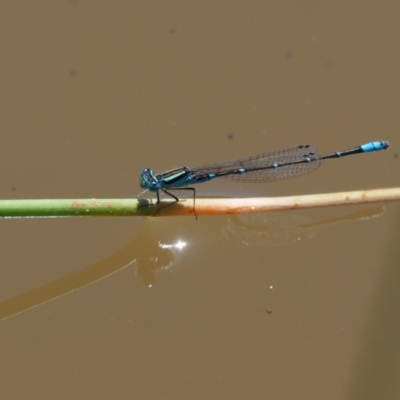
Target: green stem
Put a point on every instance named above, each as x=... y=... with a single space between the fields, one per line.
x=74 y=208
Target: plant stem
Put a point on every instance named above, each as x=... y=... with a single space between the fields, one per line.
x=218 y=206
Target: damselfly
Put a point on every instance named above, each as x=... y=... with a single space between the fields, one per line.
x=276 y=165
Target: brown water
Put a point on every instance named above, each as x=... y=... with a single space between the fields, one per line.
x=295 y=305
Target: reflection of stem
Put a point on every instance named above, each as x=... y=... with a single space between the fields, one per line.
x=363 y=214
x=146 y=259
x=141 y=207
x=62 y=286
x=283 y=229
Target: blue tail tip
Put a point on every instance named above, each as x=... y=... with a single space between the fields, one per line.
x=375 y=146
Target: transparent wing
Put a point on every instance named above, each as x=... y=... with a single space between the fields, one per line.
x=268 y=167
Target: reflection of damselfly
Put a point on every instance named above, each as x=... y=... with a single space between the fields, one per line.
x=268 y=167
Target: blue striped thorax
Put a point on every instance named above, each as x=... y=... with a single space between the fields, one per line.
x=176 y=178
x=173 y=178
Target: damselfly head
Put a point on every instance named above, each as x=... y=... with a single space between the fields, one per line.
x=148 y=180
